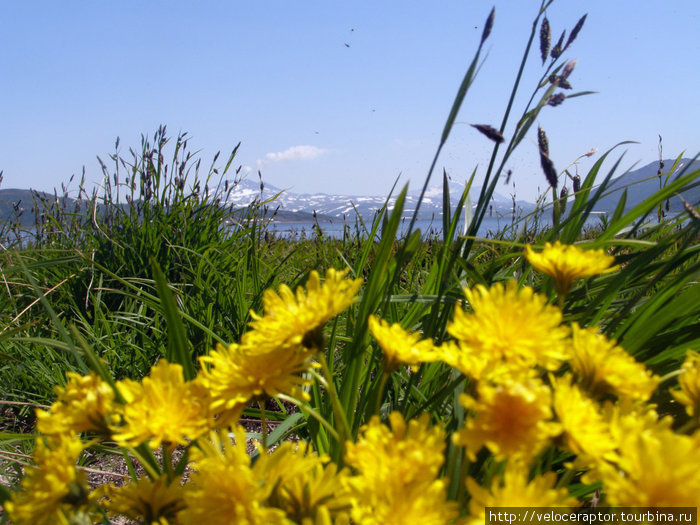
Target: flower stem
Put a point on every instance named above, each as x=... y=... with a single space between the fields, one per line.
x=338 y=412
x=263 y=422
x=382 y=385
x=167 y=461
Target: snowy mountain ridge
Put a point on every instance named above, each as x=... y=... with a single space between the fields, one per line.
x=246 y=191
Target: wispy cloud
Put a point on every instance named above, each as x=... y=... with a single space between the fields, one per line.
x=295 y=153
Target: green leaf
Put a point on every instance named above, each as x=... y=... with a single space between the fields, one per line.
x=178 y=348
x=10 y=437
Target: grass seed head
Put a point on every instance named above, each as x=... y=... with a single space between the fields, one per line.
x=490 y=132
x=568 y=69
x=556 y=100
x=557 y=50
x=549 y=171
x=542 y=141
x=545 y=38
x=575 y=31
x=562 y=198
x=577 y=183
x=489 y=25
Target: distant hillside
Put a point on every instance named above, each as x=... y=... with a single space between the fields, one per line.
x=639 y=188
x=20 y=203
x=288 y=206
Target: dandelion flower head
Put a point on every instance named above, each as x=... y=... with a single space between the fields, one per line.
x=54 y=490
x=305 y=485
x=397 y=473
x=511 y=325
x=291 y=318
x=567 y=262
x=223 y=488
x=515 y=489
x=85 y=404
x=584 y=430
x=146 y=500
x=653 y=469
x=236 y=374
x=399 y=346
x=512 y=418
x=163 y=408
x=689 y=381
x=628 y=419
x=605 y=368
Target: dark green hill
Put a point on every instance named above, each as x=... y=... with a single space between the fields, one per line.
x=22 y=204
x=643 y=182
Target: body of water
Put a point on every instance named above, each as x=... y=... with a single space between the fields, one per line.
x=489 y=227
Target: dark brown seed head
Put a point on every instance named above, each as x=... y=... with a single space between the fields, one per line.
x=558 y=49
x=557 y=99
x=562 y=198
x=553 y=79
x=574 y=31
x=490 y=132
x=489 y=25
x=568 y=69
x=661 y=168
x=577 y=183
x=545 y=38
x=549 y=171
x=542 y=141
x=564 y=84
x=508 y=176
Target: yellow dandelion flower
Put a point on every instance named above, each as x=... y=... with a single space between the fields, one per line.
x=238 y=373
x=511 y=325
x=279 y=347
x=223 y=488
x=585 y=432
x=145 y=500
x=412 y=503
x=653 y=469
x=689 y=381
x=515 y=489
x=627 y=420
x=399 y=346
x=293 y=319
x=397 y=473
x=304 y=485
x=85 y=404
x=163 y=408
x=512 y=418
x=605 y=368
x=471 y=364
x=415 y=449
x=54 y=491
x=567 y=262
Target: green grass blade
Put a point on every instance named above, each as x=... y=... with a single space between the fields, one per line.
x=178 y=349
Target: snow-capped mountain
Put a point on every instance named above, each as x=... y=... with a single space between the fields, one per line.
x=346 y=206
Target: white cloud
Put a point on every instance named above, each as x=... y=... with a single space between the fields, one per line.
x=295 y=153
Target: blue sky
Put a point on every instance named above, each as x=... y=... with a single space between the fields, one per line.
x=316 y=115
